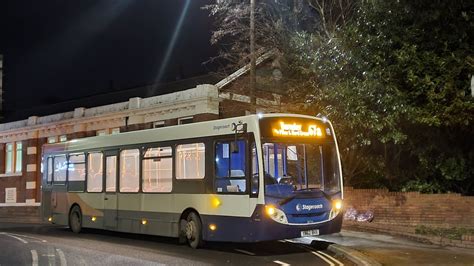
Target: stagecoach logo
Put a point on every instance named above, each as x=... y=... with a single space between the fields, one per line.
x=302 y=207
x=221 y=127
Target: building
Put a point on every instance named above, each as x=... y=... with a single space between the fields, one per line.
x=21 y=141
x=1 y=86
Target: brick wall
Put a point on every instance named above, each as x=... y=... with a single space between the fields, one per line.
x=400 y=213
x=413 y=208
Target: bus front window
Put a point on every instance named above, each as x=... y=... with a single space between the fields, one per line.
x=291 y=167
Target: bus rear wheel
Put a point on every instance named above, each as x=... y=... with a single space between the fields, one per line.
x=75 y=219
x=193 y=230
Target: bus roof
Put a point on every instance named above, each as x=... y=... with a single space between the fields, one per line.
x=186 y=131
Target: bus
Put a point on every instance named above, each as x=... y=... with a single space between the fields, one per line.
x=245 y=179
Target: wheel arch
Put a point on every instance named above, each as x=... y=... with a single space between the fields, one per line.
x=187 y=211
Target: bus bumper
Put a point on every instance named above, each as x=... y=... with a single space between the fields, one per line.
x=259 y=228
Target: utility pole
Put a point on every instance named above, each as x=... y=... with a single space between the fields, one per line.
x=253 y=59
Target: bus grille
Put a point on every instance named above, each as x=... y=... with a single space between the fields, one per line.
x=314 y=214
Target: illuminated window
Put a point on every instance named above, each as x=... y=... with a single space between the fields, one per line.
x=94 y=172
x=185 y=120
x=60 y=167
x=157 y=170
x=111 y=174
x=50 y=170
x=114 y=131
x=129 y=170
x=77 y=167
x=18 y=156
x=62 y=138
x=190 y=161
x=13 y=157
x=52 y=139
x=9 y=158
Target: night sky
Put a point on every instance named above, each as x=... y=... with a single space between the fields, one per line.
x=61 y=50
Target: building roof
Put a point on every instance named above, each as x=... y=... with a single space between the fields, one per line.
x=112 y=97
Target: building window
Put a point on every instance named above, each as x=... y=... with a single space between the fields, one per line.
x=19 y=156
x=185 y=120
x=13 y=157
x=114 y=131
x=190 y=161
x=9 y=158
x=94 y=172
x=157 y=170
x=129 y=170
x=52 y=139
x=158 y=124
x=62 y=138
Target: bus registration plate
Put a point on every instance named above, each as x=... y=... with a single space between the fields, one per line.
x=314 y=232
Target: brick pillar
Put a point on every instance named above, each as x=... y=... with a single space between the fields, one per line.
x=2 y=158
x=39 y=144
x=32 y=168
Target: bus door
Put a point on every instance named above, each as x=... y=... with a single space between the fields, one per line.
x=231 y=175
x=46 y=189
x=110 y=195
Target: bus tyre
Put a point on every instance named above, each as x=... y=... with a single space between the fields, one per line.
x=182 y=232
x=75 y=219
x=194 y=230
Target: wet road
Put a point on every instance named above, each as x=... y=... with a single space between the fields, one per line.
x=55 y=245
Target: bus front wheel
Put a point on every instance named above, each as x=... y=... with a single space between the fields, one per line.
x=193 y=230
x=75 y=219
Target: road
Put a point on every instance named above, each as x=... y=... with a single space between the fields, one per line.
x=55 y=245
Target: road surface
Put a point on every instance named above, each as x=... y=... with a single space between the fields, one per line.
x=56 y=245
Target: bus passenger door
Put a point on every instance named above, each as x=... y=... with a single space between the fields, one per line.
x=110 y=195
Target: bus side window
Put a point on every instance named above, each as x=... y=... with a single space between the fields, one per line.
x=230 y=166
x=111 y=174
x=50 y=170
x=60 y=167
x=94 y=172
x=77 y=167
x=129 y=170
x=157 y=170
x=190 y=161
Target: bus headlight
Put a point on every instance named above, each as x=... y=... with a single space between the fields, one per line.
x=276 y=214
x=336 y=208
x=270 y=210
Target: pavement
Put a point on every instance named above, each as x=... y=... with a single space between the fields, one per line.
x=373 y=248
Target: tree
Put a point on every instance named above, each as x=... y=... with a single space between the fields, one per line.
x=393 y=76
x=396 y=82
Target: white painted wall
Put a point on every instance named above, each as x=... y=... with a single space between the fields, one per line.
x=199 y=100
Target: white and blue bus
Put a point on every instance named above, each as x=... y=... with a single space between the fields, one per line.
x=243 y=179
